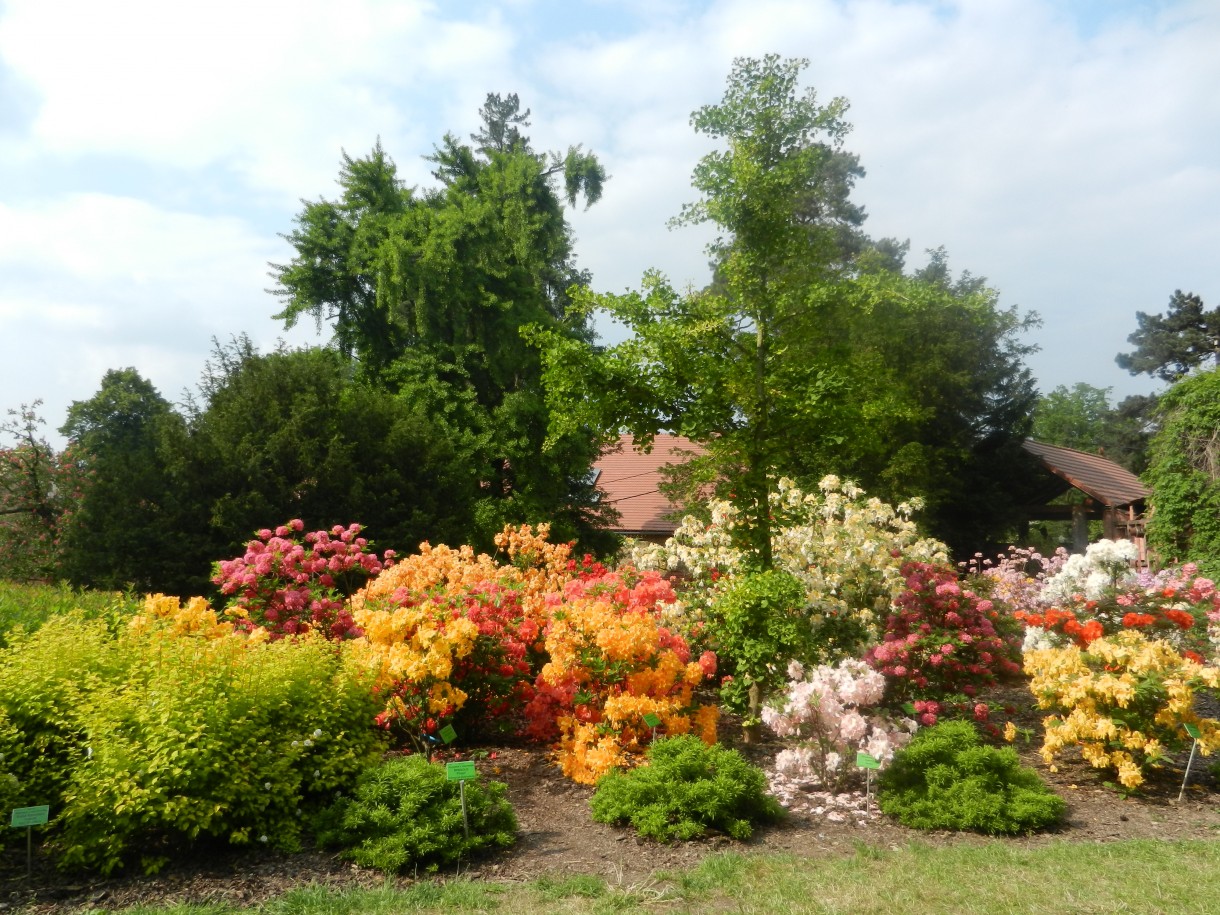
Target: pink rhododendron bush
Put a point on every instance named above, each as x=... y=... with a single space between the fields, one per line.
x=830 y=714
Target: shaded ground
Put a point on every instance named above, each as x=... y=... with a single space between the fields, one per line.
x=557 y=836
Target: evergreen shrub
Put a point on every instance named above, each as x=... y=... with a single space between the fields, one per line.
x=945 y=778
x=405 y=813
x=685 y=789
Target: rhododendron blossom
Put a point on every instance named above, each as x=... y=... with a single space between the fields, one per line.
x=832 y=714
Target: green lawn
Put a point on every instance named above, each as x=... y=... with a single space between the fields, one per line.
x=1000 y=877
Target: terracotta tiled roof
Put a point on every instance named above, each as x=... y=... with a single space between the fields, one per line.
x=629 y=481
x=1092 y=474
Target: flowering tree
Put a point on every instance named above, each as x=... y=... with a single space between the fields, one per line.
x=39 y=490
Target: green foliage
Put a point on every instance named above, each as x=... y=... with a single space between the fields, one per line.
x=12 y=791
x=39 y=490
x=119 y=535
x=405 y=813
x=758 y=627
x=686 y=789
x=28 y=606
x=945 y=778
x=143 y=744
x=1184 y=474
x=1169 y=346
x=1083 y=418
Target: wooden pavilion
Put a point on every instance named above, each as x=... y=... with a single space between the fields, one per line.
x=1113 y=495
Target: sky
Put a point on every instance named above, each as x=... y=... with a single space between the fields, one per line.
x=152 y=153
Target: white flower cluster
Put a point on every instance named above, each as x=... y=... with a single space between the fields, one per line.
x=1104 y=565
x=846 y=548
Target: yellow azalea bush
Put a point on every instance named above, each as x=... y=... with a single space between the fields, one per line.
x=170 y=616
x=612 y=664
x=1123 y=701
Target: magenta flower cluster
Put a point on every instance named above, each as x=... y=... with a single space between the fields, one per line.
x=291 y=583
x=942 y=640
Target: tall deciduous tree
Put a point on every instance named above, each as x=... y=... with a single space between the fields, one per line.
x=727 y=366
x=39 y=490
x=1168 y=346
x=810 y=352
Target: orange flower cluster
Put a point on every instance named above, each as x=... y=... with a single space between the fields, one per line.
x=1064 y=621
x=612 y=667
x=445 y=624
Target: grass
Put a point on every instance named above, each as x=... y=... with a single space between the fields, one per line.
x=1138 y=876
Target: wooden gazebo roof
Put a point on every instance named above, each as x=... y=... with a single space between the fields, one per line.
x=1098 y=478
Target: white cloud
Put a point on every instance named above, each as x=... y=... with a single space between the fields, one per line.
x=1072 y=164
x=272 y=89
x=96 y=282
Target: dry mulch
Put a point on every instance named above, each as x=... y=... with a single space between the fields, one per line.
x=557 y=836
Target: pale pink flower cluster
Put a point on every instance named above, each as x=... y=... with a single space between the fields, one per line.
x=831 y=714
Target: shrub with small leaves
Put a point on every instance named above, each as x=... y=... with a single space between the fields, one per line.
x=945 y=778
x=687 y=789
x=405 y=813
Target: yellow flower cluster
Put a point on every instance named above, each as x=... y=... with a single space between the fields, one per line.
x=1121 y=700
x=416 y=644
x=168 y=615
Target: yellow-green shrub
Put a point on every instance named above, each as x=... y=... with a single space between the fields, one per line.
x=163 y=737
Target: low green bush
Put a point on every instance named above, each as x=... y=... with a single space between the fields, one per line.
x=945 y=778
x=405 y=813
x=685 y=789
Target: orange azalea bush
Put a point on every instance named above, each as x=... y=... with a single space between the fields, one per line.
x=449 y=626
x=611 y=665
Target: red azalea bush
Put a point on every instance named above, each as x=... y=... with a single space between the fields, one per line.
x=1174 y=604
x=498 y=673
x=291 y=584
x=942 y=641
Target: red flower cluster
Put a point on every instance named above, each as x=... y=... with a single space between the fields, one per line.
x=943 y=639
x=291 y=584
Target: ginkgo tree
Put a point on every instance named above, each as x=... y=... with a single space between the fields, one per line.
x=811 y=351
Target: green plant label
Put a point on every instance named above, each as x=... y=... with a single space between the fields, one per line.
x=1192 y=731
x=460 y=771
x=864 y=761
x=652 y=720
x=30 y=816
x=448 y=734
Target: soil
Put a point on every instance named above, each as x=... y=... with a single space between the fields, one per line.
x=557 y=835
